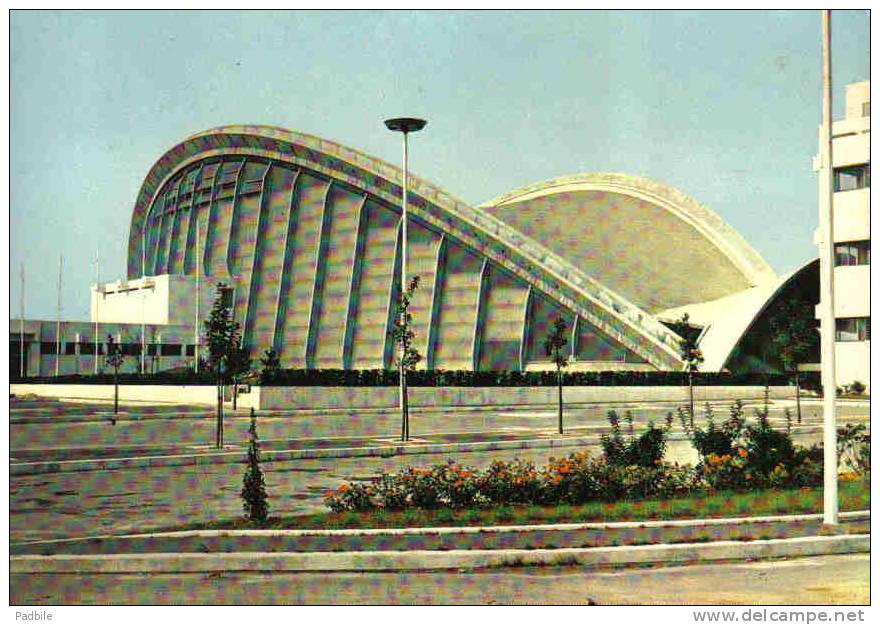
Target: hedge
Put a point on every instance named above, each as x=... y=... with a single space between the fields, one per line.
x=440 y=378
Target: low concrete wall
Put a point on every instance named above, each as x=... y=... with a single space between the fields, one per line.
x=306 y=397
x=336 y=397
x=128 y=393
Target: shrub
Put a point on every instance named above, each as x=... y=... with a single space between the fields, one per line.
x=718 y=440
x=767 y=449
x=253 y=492
x=356 y=497
x=857 y=387
x=510 y=482
x=645 y=450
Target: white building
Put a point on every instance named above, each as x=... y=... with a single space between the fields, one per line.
x=852 y=236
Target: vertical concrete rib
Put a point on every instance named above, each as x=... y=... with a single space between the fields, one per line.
x=317 y=284
x=525 y=330
x=393 y=295
x=574 y=335
x=355 y=283
x=232 y=233
x=208 y=228
x=190 y=242
x=285 y=269
x=256 y=273
x=436 y=294
x=157 y=217
x=480 y=317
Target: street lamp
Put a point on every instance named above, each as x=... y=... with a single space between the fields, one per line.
x=405 y=125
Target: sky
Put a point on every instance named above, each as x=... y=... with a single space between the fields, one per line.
x=723 y=106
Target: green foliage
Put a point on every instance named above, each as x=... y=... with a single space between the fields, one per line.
x=857 y=388
x=555 y=343
x=715 y=439
x=223 y=337
x=442 y=378
x=115 y=358
x=270 y=366
x=644 y=450
x=572 y=480
x=253 y=492
x=401 y=331
x=793 y=333
x=687 y=343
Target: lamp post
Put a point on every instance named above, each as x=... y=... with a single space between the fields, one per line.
x=826 y=284
x=405 y=125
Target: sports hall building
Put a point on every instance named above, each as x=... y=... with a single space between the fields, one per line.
x=306 y=234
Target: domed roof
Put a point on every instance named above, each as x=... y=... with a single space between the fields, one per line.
x=649 y=242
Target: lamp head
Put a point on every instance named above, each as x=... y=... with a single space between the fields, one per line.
x=405 y=124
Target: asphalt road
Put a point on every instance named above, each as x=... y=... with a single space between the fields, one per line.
x=818 y=580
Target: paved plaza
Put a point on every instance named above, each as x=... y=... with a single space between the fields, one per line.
x=71 y=504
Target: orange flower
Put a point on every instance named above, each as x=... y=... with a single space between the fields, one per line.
x=743 y=453
x=343 y=488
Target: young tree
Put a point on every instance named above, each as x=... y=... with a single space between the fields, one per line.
x=223 y=336
x=407 y=355
x=239 y=365
x=271 y=365
x=690 y=354
x=256 y=504
x=554 y=346
x=114 y=359
x=793 y=337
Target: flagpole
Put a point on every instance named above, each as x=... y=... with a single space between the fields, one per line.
x=58 y=322
x=21 y=322
x=97 y=304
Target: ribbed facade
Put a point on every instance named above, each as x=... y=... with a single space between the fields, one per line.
x=308 y=233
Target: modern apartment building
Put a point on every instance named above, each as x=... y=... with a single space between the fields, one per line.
x=852 y=236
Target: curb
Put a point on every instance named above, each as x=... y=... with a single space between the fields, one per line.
x=112 y=464
x=682 y=553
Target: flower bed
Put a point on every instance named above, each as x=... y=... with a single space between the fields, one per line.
x=736 y=456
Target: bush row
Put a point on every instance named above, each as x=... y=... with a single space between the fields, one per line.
x=437 y=378
x=734 y=455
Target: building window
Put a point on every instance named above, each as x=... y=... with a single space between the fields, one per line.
x=852 y=253
x=152 y=349
x=173 y=349
x=88 y=349
x=47 y=348
x=70 y=349
x=852 y=178
x=853 y=329
x=190 y=350
x=130 y=349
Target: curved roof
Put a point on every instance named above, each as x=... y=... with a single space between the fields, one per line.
x=647 y=241
x=552 y=272
x=728 y=320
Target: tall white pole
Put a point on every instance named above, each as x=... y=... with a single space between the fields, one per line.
x=21 y=322
x=58 y=322
x=198 y=297
x=826 y=280
x=405 y=433
x=97 y=304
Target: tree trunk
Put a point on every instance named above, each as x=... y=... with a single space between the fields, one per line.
x=691 y=395
x=797 y=393
x=116 y=392
x=219 y=437
x=405 y=405
x=400 y=374
x=559 y=386
x=235 y=395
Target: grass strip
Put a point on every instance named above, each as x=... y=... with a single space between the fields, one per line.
x=854 y=495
